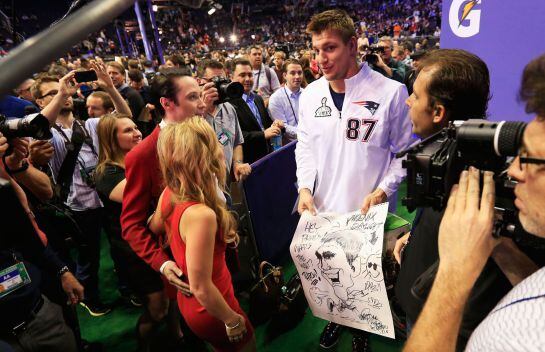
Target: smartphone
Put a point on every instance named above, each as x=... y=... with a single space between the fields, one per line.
x=86 y=76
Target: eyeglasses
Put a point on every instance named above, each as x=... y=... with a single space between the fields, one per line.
x=525 y=160
x=51 y=93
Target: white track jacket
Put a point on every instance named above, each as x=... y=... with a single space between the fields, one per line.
x=344 y=156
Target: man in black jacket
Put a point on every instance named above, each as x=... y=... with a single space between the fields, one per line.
x=254 y=119
x=29 y=321
x=441 y=95
x=116 y=71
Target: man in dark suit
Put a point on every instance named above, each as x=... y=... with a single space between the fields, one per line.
x=116 y=71
x=254 y=119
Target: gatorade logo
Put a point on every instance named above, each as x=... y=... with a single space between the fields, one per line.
x=464 y=19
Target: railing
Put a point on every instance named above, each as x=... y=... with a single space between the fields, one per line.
x=36 y=52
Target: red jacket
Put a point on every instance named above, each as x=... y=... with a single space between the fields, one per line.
x=140 y=197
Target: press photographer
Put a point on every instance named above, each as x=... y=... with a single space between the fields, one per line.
x=466 y=243
x=75 y=144
x=218 y=92
x=380 y=59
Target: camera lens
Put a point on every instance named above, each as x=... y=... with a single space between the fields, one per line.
x=509 y=138
x=488 y=137
x=36 y=126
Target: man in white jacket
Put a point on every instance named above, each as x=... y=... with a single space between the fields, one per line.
x=352 y=120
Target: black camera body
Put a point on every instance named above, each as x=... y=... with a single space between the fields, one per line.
x=36 y=126
x=227 y=89
x=371 y=53
x=434 y=165
x=285 y=47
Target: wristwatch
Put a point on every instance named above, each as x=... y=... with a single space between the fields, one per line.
x=24 y=167
x=63 y=271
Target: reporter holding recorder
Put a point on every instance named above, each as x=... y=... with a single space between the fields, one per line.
x=199 y=228
x=178 y=97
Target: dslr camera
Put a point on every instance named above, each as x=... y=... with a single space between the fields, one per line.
x=35 y=126
x=227 y=89
x=371 y=52
x=434 y=165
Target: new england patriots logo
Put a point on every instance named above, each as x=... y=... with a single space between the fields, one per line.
x=369 y=105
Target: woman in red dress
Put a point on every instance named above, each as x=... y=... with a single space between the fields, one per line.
x=192 y=210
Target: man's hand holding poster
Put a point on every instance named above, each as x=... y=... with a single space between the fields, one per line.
x=338 y=258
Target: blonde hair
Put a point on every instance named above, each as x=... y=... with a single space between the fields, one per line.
x=191 y=160
x=109 y=151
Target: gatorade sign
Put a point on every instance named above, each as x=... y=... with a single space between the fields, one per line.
x=465 y=18
x=506 y=34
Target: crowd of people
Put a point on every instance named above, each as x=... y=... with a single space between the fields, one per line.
x=146 y=152
x=262 y=22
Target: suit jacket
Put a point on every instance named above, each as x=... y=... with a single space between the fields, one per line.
x=142 y=192
x=255 y=145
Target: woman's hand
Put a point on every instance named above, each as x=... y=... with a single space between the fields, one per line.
x=236 y=328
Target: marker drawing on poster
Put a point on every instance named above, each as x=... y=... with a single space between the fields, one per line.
x=339 y=260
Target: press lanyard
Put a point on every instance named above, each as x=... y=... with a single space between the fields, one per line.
x=291 y=106
x=214 y=119
x=258 y=76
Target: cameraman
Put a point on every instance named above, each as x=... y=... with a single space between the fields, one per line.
x=386 y=64
x=451 y=85
x=223 y=118
x=466 y=242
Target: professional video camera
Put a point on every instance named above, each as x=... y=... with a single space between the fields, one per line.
x=36 y=126
x=285 y=47
x=434 y=165
x=371 y=52
x=227 y=90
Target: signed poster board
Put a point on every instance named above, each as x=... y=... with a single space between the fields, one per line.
x=340 y=261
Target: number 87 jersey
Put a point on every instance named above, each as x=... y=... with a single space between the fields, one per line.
x=345 y=155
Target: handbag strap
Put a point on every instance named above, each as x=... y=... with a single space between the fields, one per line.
x=262 y=266
x=275 y=270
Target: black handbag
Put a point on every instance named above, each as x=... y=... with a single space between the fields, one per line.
x=265 y=295
x=293 y=303
x=292 y=309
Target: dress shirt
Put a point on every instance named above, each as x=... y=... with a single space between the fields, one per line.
x=280 y=109
x=249 y=99
x=81 y=196
x=516 y=324
x=225 y=124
